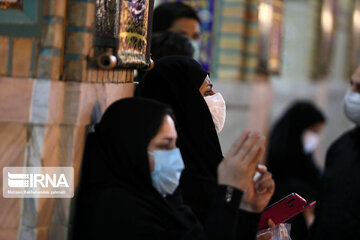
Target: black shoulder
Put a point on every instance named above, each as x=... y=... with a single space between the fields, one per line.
x=338 y=145
x=341 y=140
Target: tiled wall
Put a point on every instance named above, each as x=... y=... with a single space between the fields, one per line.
x=236 y=40
x=48 y=97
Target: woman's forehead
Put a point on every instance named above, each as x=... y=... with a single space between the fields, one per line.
x=167 y=129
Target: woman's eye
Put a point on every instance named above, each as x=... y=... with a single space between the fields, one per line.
x=164 y=147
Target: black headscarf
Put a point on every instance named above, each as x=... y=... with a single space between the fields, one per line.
x=286 y=157
x=116 y=181
x=292 y=169
x=168 y=44
x=176 y=80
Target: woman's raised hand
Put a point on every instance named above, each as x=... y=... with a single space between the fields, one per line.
x=238 y=167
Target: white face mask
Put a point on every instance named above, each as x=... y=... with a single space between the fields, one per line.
x=352 y=106
x=217 y=107
x=310 y=141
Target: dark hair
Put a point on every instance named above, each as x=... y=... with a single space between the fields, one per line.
x=166 y=14
x=170 y=43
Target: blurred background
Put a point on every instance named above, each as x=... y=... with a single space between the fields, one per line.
x=265 y=54
x=262 y=55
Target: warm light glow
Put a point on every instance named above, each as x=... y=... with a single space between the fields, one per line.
x=327 y=20
x=274 y=63
x=265 y=14
x=356 y=20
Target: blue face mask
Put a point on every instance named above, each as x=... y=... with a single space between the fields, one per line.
x=196 y=47
x=167 y=170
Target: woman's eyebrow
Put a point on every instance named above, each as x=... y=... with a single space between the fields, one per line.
x=169 y=139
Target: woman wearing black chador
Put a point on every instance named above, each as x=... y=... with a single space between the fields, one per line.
x=292 y=143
